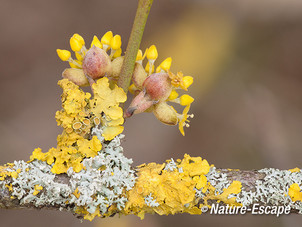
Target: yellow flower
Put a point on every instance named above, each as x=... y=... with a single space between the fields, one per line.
x=106 y=39
x=116 y=42
x=76 y=42
x=173 y=95
x=178 y=80
x=152 y=53
x=139 y=56
x=187 y=81
x=165 y=65
x=183 y=119
x=64 y=55
x=186 y=100
x=96 y=42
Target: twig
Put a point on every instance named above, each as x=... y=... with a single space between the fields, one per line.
x=134 y=43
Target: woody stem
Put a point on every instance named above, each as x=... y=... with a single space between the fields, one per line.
x=137 y=31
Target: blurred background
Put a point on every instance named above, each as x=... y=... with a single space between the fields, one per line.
x=245 y=56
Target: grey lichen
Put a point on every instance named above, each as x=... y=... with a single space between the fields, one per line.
x=266 y=186
x=218 y=179
x=171 y=165
x=273 y=189
x=150 y=201
x=100 y=184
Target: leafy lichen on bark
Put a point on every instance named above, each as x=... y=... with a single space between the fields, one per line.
x=186 y=185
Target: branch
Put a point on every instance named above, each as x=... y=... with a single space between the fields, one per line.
x=188 y=185
x=136 y=35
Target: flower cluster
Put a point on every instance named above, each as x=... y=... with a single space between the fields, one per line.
x=153 y=90
x=94 y=63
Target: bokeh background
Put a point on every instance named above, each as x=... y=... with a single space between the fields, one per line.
x=245 y=56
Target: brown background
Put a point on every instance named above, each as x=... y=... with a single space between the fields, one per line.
x=245 y=56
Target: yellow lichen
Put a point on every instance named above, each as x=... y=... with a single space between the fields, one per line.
x=234 y=188
x=107 y=100
x=76 y=193
x=201 y=181
x=14 y=174
x=9 y=186
x=295 y=193
x=194 y=165
x=79 y=114
x=75 y=112
x=87 y=216
x=5 y=173
x=172 y=190
x=38 y=188
x=294 y=170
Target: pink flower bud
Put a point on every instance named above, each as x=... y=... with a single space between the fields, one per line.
x=96 y=63
x=139 y=104
x=158 y=86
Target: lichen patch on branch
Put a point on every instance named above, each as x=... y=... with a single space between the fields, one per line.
x=97 y=190
x=167 y=188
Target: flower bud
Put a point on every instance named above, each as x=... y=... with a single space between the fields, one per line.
x=165 y=65
x=187 y=80
x=139 y=76
x=186 y=100
x=106 y=39
x=139 y=56
x=117 y=66
x=116 y=42
x=152 y=53
x=165 y=113
x=76 y=42
x=77 y=76
x=158 y=86
x=96 y=42
x=96 y=63
x=64 y=55
x=139 y=104
x=173 y=95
